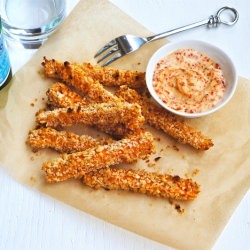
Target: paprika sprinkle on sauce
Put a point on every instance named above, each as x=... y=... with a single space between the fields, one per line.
x=189 y=81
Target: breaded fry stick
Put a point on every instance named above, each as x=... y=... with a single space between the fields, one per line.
x=169 y=123
x=77 y=164
x=141 y=181
x=106 y=114
x=114 y=77
x=74 y=76
x=62 y=141
x=60 y=96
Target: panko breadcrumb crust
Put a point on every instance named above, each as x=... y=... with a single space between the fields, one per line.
x=85 y=101
x=74 y=76
x=171 y=124
x=62 y=141
x=104 y=114
x=141 y=181
x=75 y=165
x=114 y=77
x=61 y=96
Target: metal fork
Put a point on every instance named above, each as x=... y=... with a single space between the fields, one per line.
x=127 y=44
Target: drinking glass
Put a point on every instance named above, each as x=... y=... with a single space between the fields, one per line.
x=30 y=22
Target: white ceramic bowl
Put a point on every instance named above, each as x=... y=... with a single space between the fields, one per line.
x=217 y=54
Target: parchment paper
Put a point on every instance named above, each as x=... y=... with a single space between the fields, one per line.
x=224 y=170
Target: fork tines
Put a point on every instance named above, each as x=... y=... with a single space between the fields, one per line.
x=111 y=48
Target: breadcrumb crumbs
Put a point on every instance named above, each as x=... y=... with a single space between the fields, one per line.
x=157 y=139
x=178 y=208
x=169 y=123
x=32 y=178
x=175 y=148
x=157 y=158
x=151 y=165
x=195 y=172
x=141 y=181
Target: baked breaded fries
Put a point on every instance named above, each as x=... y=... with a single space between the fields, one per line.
x=61 y=96
x=171 y=124
x=81 y=98
x=72 y=75
x=75 y=165
x=129 y=115
x=62 y=141
x=141 y=181
x=114 y=77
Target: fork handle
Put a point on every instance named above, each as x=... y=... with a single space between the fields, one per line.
x=212 y=21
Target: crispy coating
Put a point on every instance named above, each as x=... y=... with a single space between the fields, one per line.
x=60 y=96
x=114 y=77
x=141 y=181
x=75 y=76
x=76 y=165
x=129 y=115
x=62 y=141
x=161 y=119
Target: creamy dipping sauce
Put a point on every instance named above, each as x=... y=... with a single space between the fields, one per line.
x=189 y=81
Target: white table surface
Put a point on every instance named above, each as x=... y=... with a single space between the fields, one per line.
x=31 y=220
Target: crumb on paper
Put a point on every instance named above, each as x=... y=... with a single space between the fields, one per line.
x=32 y=158
x=139 y=63
x=38 y=153
x=157 y=138
x=32 y=178
x=170 y=170
x=151 y=165
x=157 y=158
x=178 y=208
x=32 y=104
x=195 y=172
x=175 y=148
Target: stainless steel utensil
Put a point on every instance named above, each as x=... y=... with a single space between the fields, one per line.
x=127 y=44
